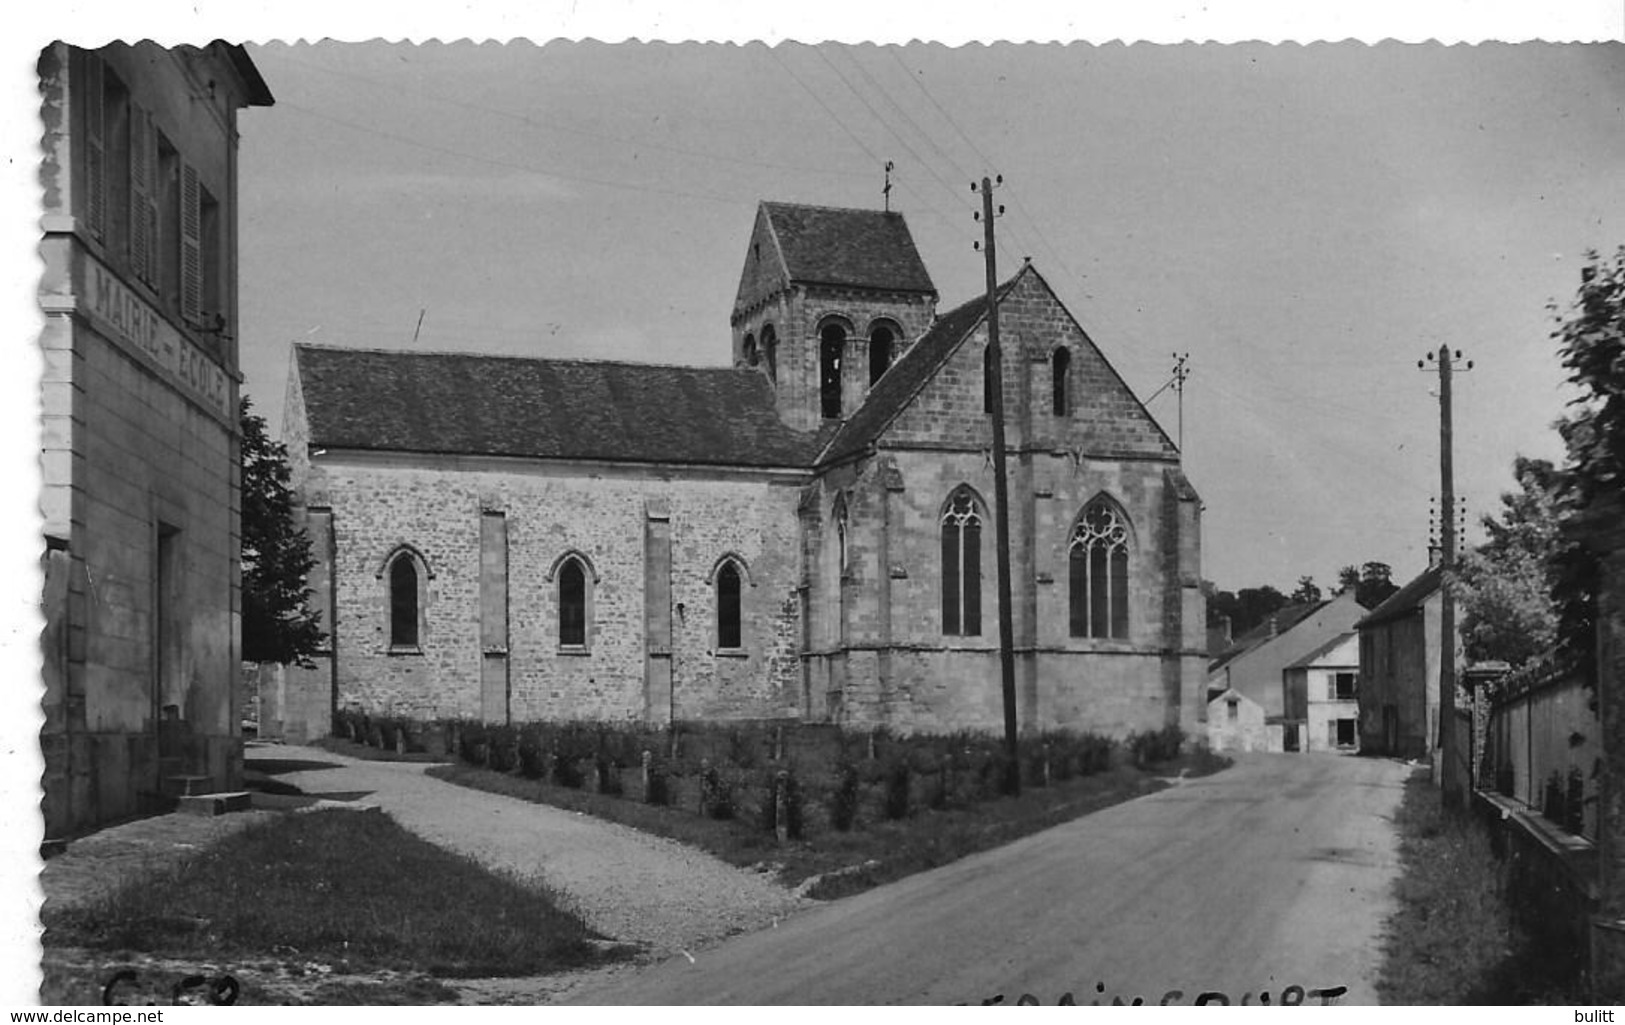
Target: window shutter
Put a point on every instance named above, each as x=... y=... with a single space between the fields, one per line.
x=140 y=200
x=95 y=206
x=191 y=246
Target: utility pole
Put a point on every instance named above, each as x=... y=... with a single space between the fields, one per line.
x=1001 y=490
x=1450 y=775
x=1181 y=371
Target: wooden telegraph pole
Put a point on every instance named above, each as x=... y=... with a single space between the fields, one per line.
x=1001 y=490
x=1450 y=775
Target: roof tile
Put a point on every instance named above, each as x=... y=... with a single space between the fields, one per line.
x=471 y=404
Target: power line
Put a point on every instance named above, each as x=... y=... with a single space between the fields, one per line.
x=540 y=123
x=771 y=52
x=510 y=164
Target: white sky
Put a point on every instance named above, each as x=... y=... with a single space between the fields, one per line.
x=1303 y=222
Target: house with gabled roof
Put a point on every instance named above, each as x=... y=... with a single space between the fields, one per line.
x=1322 y=692
x=807 y=533
x=1401 y=650
x=1255 y=664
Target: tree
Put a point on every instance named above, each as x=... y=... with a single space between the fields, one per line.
x=1591 y=346
x=1504 y=586
x=1348 y=579
x=1245 y=608
x=278 y=625
x=1376 y=584
x=1307 y=592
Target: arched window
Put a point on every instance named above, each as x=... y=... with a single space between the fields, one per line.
x=881 y=337
x=752 y=356
x=831 y=347
x=987 y=379
x=1059 y=365
x=838 y=514
x=962 y=565
x=403 y=602
x=728 y=605
x=770 y=351
x=1098 y=555
x=572 y=604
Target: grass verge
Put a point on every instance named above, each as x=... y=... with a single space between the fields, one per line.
x=1454 y=938
x=350 y=890
x=874 y=852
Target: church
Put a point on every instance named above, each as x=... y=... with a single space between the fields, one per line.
x=804 y=534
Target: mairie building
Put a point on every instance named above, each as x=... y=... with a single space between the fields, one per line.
x=139 y=445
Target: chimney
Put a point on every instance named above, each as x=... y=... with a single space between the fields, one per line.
x=1435 y=556
x=1275 y=624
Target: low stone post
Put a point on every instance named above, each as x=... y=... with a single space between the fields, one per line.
x=647 y=759
x=1046 y=765
x=778 y=743
x=781 y=806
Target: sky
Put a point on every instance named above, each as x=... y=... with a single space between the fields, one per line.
x=1306 y=222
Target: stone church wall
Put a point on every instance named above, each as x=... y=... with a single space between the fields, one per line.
x=436 y=506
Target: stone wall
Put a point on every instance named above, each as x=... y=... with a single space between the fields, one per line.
x=600 y=516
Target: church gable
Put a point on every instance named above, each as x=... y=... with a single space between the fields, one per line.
x=936 y=394
x=764 y=275
x=1096 y=412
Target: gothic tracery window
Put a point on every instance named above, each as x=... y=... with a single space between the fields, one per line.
x=962 y=566
x=1098 y=555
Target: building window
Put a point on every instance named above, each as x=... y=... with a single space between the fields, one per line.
x=1343 y=734
x=166 y=238
x=728 y=605
x=838 y=514
x=1235 y=710
x=1343 y=686
x=752 y=357
x=1098 y=556
x=881 y=338
x=403 y=602
x=987 y=379
x=831 y=347
x=962 y=566
x=770 y=351
x=1059 y=366
x=212 y=304
x=572 y=604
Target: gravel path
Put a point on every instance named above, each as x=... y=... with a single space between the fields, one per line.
x=628 y=885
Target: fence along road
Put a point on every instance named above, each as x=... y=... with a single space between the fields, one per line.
x=1273 y=874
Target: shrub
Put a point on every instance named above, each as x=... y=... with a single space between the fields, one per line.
x=937 y=792
x=502 y=748
x=659 y=789
x=898 y=777
x=716 y=794
x=1155 y=746
x=567 y=772
x=843 y=800
x=609 y=776
x=794 y=823
x=532 y=756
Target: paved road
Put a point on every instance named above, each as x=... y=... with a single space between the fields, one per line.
x=1275 y=873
